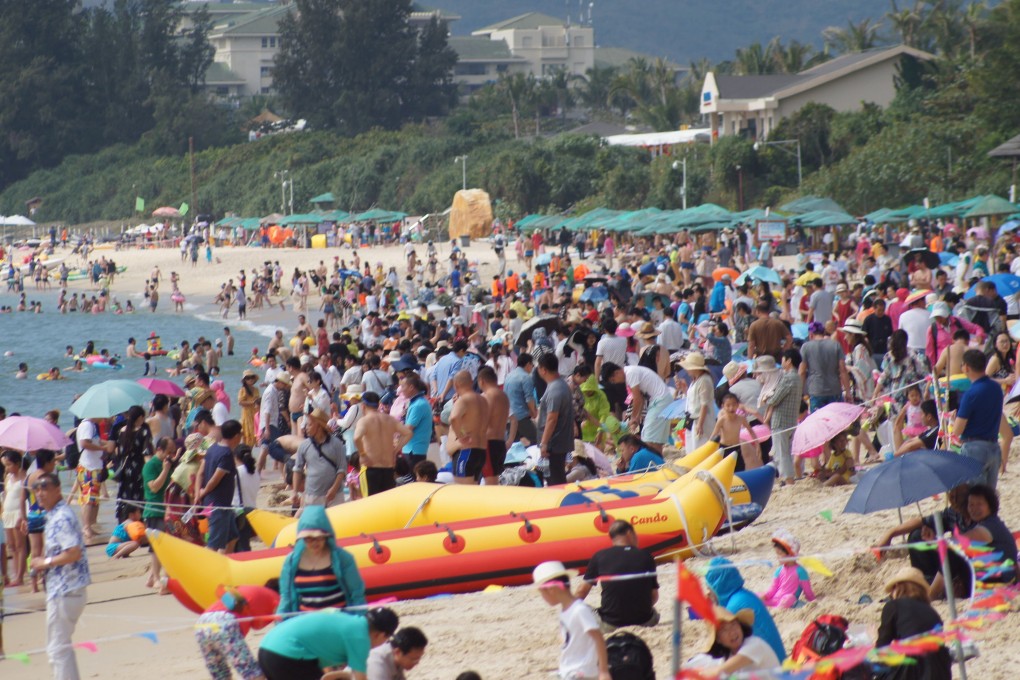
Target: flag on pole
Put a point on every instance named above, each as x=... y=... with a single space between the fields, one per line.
x=689 y=590
x=184 y=209
x=139 y=204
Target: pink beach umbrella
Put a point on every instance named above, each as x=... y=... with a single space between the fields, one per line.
x=25 y=433
x=160 y=386
x=824 y=424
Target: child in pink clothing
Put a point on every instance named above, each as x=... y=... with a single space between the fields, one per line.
x=791 y=579
x=913 y=424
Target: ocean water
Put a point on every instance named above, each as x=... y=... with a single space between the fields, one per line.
x=40 y=340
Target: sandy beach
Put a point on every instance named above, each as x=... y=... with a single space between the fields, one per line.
x=507 y=633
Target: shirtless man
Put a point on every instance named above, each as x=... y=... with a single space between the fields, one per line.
x=499 y=416
x=276 y=342
x=303 y=326
x=298 y=393
x=229 y=340
x=379 y=438
x=686 y=259
x=469 y=427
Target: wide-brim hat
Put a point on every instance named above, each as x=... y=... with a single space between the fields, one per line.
x=624 y=330
x=907 y=575
x=764 y=364
x=648 y=330
x=249 y=374
x=916 y=296
x=854 y=327
x=547 y=571
x=695 y=361
x=579 y=450
x=283 y=377
x=319 y=416
x=203 y=395
x=393 y=357
x=722 y=615
x=732 y=370
x=842 y=288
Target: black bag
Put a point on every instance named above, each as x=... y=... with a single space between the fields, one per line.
x=629 y=657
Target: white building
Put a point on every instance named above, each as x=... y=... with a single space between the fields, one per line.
x=482 y=61
x=546 y=43
x=754 y=105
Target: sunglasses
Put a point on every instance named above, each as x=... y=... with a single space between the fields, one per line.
x=43 y=485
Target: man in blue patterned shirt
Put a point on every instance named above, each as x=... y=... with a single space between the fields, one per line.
x=67 y=575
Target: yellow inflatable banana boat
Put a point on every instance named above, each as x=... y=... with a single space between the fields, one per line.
x=422 y=504
x=469 y=555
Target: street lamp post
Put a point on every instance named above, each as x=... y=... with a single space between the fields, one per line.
x=779 y=143
x=740 y=188
x=682 y=163
x=282 y=176
x=463 y=170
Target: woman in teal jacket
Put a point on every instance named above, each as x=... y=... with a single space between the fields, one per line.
x=724 y=578
x=318 y=573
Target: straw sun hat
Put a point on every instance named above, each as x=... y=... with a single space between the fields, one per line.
x=695 y=361
x=907 y=575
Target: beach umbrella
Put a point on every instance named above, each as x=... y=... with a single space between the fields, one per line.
x=824 y=424
x=980 y=233
x=1006 y=285
x=651 y=297
x=109 y=398
x=166 y=211
x=723 y=271
x=674 y=411
x=543 y=259
x=548 y=321
x=799 y=331
x=949 y=259
x=909 y=479
x=25 y=433
x=160 y=386
x=1007 y=228
x=760 y=273
x=926 y=256
x=595 y=294
x=594 y=278
x=807 y=277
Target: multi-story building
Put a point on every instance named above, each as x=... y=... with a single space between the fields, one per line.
x=546 y=43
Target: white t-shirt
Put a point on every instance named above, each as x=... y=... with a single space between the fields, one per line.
x=352 y=376
x=762 y=656
x=90 y=459
x=647 y=381
x=248 y=485
x=220 y=414
x=579 y=657
x=271 y=374
x=613 y=349
x=916 y=323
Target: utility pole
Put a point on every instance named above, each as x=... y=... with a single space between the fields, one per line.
x=191 y=158
x=683 y=187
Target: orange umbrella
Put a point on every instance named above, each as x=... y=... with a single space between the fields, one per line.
x=723 y=271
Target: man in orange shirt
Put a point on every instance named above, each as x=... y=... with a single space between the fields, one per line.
x=513 y=283
x=497 y=290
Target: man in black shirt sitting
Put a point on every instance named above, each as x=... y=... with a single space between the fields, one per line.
x=625 y=602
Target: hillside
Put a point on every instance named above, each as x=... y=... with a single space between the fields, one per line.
x=682 y=31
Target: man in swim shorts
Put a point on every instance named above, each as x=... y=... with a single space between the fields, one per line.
x=90 y=465
x=499 y=415
x=469 y=424
x=378 y=438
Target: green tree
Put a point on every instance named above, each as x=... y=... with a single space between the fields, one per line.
x=995 y=83
x=756 y=60
x=596 y=88
x=350 y=65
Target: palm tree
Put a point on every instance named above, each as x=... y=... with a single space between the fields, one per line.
x=907 y=22
x=519 y=88
x=794 y=57
x=972 y=19
x=596 y=90
x=856 y=37
x=561 y=81
x=755 y=60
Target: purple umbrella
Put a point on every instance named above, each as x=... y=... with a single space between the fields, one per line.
x=25 y=433
x=824 y=424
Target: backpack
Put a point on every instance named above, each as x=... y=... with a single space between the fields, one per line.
x=823 y=636
x=629 y=657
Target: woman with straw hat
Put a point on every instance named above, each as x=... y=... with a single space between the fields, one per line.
x=734 y=646
x=908 y=613
x=249 y=399
x=700 y=398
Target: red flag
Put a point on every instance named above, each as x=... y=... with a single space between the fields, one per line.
x=688 y=590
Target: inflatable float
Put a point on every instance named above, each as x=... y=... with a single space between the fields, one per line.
x=413 y=505
x=469 y=555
